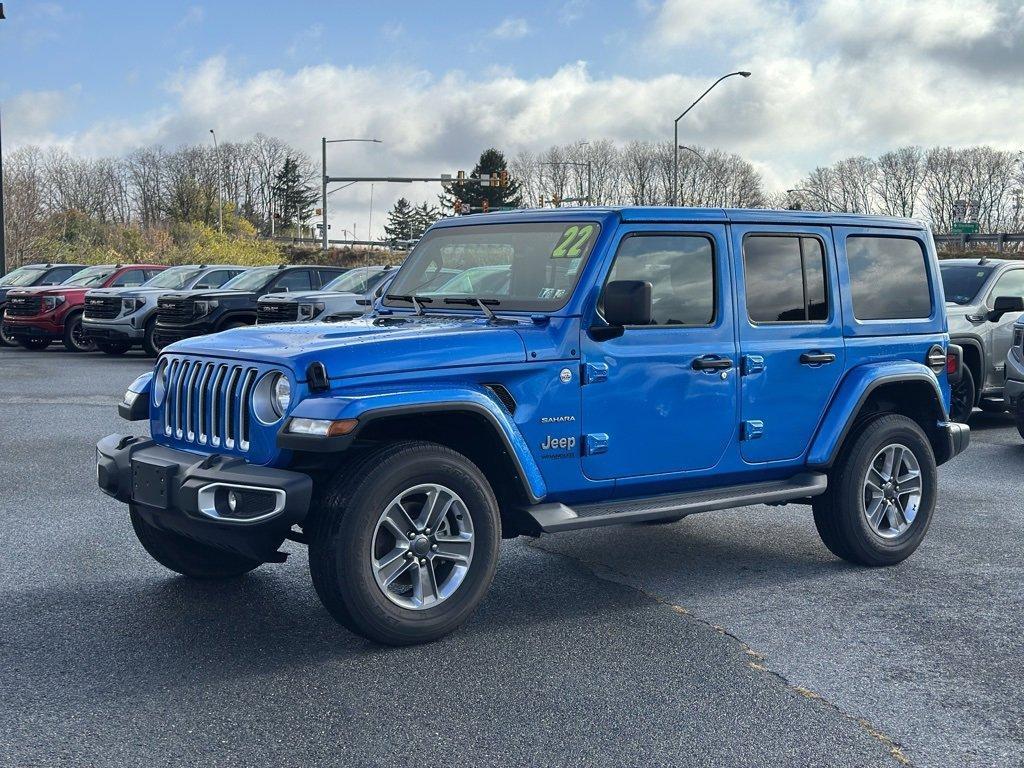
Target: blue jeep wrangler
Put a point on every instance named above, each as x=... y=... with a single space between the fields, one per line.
x=638 y=365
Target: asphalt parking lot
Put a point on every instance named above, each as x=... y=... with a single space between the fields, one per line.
x=726 y=639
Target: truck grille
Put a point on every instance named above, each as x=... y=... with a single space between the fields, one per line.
x=175 y=311
x=102 y=307
x=209 y=403
x=24 y=306
x=277 y=312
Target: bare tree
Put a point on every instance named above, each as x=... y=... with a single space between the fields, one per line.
x=899 y=181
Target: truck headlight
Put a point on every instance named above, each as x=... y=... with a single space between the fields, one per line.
x=205 y=307
x=271 y=398
x=309 y=311
x=282 y=395
x=131 y=305
x=160 y=382
x=50 y=303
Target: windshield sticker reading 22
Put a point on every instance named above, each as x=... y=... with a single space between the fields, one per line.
x=573 y=242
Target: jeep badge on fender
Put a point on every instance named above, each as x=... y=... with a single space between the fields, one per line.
x=727 y=358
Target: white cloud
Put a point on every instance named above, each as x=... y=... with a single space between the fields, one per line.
x=511 y=29
x=193 y=17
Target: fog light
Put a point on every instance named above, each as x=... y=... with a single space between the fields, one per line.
x=232 y=501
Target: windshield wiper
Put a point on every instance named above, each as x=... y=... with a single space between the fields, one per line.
x=412 y=298
x=484 y=305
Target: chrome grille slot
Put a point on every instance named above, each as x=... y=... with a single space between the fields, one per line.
x=243 y=408
x=217 y=406
x=179 y=400
x=192 y=402
x=169 y=404
x=204 y=404
x=231 y=408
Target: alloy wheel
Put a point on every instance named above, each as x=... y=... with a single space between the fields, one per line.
x=892 y=491
x=422 y=546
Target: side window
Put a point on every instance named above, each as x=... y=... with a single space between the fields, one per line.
x=294 y=280
x=151 y=273
x=59 y=275
x=681 y=271
x=888 y=278
x=326 y=275
x=216 y=279
x=785 y=279
x=129 y=279
x=1010 y=284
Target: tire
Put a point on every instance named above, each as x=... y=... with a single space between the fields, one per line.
x=187 y=557
x=962 y=397
x=1018 y=417
x=149 y=344
x=5 y=340
x=348 y=531
x=840 y=514
x=74 y=341
x=34 y=344
x=113 y=347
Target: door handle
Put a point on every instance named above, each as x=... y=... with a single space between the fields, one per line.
x=711 y=363
x=817 y=358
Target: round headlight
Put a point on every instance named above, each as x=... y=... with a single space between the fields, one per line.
x=160 y=382
x=282 y=394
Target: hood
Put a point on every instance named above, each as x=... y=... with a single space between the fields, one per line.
x=128 y=293
x=296 y=296
x=206 y=293
x=367 y=346
x=70 y=291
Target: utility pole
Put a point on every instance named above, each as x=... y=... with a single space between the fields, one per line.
x=3 y=240
x=220 y=185
x=325 y=179
x=675 y=135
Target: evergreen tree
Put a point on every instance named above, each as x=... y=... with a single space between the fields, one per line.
x=401 y=223
x=294 y=198
x=491 y=162
x=423 y=216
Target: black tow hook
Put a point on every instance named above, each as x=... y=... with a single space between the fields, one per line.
x=209 y=461
x=125 y=441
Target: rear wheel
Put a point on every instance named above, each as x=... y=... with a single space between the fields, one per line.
x=405 y=543
x=881 y=494
x=34 y=344
x=113 y=347
x=75 y=339
x=962 y=396
x=187 y=557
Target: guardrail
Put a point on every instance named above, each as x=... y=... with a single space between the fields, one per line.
x=402 y=245
x=1000 y=240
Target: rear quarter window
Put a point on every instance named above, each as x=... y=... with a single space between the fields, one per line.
x=888 y=278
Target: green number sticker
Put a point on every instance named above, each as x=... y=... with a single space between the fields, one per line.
x=573 y=242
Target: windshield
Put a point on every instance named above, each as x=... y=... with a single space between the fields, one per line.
x=358 y=280
x=251 y=279
x=531 y=266
x=962 y=282
x=174 y=278
x=90 y=276
x=21 y=276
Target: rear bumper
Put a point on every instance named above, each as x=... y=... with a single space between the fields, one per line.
x=959 y=437
x=186 y=493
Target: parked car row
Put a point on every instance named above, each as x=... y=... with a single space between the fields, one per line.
x=112 y=308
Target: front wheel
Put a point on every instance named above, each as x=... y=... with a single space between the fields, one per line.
x=6 y=340
x=149 y=344
x=881 y=494
x=187 y=557
x=962 y=396
x=75 y=339
x=405 y=544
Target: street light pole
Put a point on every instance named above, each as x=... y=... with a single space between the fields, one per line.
x=324 y=178
x=675 y=135
x=220 y=185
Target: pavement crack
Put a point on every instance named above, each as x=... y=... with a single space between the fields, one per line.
x=755 y=659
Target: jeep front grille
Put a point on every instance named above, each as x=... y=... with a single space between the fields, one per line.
x=277 y=312
x=102 y=307
x=24 y=306
x=208 y=403
x=175 y=311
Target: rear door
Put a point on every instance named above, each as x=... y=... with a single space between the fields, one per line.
x=661 y=398
x=792 y=350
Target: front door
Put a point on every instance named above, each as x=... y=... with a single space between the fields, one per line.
x=791 y=336
x=661 y=398
x=1000 y=333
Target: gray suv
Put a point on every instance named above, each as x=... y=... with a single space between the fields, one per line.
x=984 y=297
x=119 y=318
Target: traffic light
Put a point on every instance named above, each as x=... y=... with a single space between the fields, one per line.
x=485 y=206
x=503 y=179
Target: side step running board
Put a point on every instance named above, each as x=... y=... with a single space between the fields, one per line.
x=559 y=517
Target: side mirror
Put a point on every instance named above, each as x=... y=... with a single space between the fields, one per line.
x=626 y=302
x=1005 y=304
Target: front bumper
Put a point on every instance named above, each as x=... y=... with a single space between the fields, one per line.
x=168 y=334
x=184 y=492
x=112 y=330
x=1014 y=387
x=32 y=330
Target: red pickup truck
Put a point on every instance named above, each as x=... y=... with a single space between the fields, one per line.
x=36 y=317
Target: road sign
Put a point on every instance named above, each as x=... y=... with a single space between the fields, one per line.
x=965 y=227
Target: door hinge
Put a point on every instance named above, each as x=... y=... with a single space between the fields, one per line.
x=594 y=373
x=752 y=429
x=752 y=364
x=595 y=443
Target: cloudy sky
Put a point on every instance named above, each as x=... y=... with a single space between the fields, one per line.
x=439 y=81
